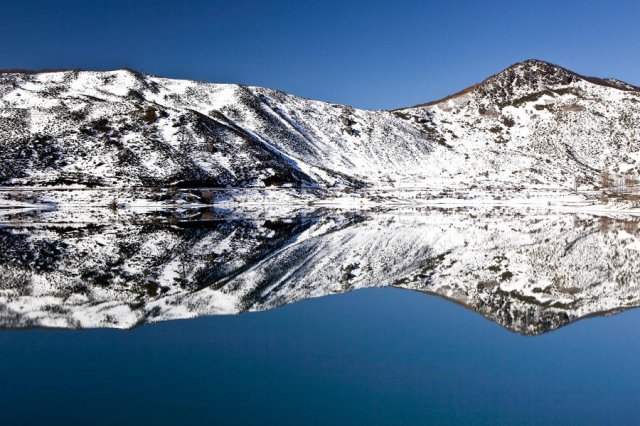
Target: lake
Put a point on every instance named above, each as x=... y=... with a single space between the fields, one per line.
x=404 y=316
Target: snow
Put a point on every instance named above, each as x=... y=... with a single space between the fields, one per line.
x=557 y=131
x=570 y=260
x=469 y=198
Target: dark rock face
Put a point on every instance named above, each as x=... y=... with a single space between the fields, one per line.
x=531 y=76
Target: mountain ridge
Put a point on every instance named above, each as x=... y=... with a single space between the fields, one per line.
x=608 y=82
x=532 y=125
x=603 y=81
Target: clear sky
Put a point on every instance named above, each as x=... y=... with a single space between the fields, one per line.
x=370 y=54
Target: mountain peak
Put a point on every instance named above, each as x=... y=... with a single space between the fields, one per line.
x=535 y=74
x=530 y=75
x=534 y=64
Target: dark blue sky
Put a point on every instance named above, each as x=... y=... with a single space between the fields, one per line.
x=372 y=54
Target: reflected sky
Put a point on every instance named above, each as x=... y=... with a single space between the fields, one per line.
x=443 y=316
x=379 y=356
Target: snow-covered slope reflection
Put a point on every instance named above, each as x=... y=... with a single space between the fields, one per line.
x=530 y=271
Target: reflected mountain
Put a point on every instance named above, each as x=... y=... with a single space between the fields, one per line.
x=529 y=271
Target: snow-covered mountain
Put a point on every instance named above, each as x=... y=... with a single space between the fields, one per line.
x=531 y=125
x=529 y=272
x=537 y=124
x=122 y=137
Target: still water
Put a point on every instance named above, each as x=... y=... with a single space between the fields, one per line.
x=433 y=316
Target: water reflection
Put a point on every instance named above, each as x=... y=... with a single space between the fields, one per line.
x=530 y=271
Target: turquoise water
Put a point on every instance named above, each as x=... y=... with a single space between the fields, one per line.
x=374 y=356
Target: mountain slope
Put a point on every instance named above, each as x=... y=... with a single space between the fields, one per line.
x=124 y=128
x=531 y=125
x=538 y=124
